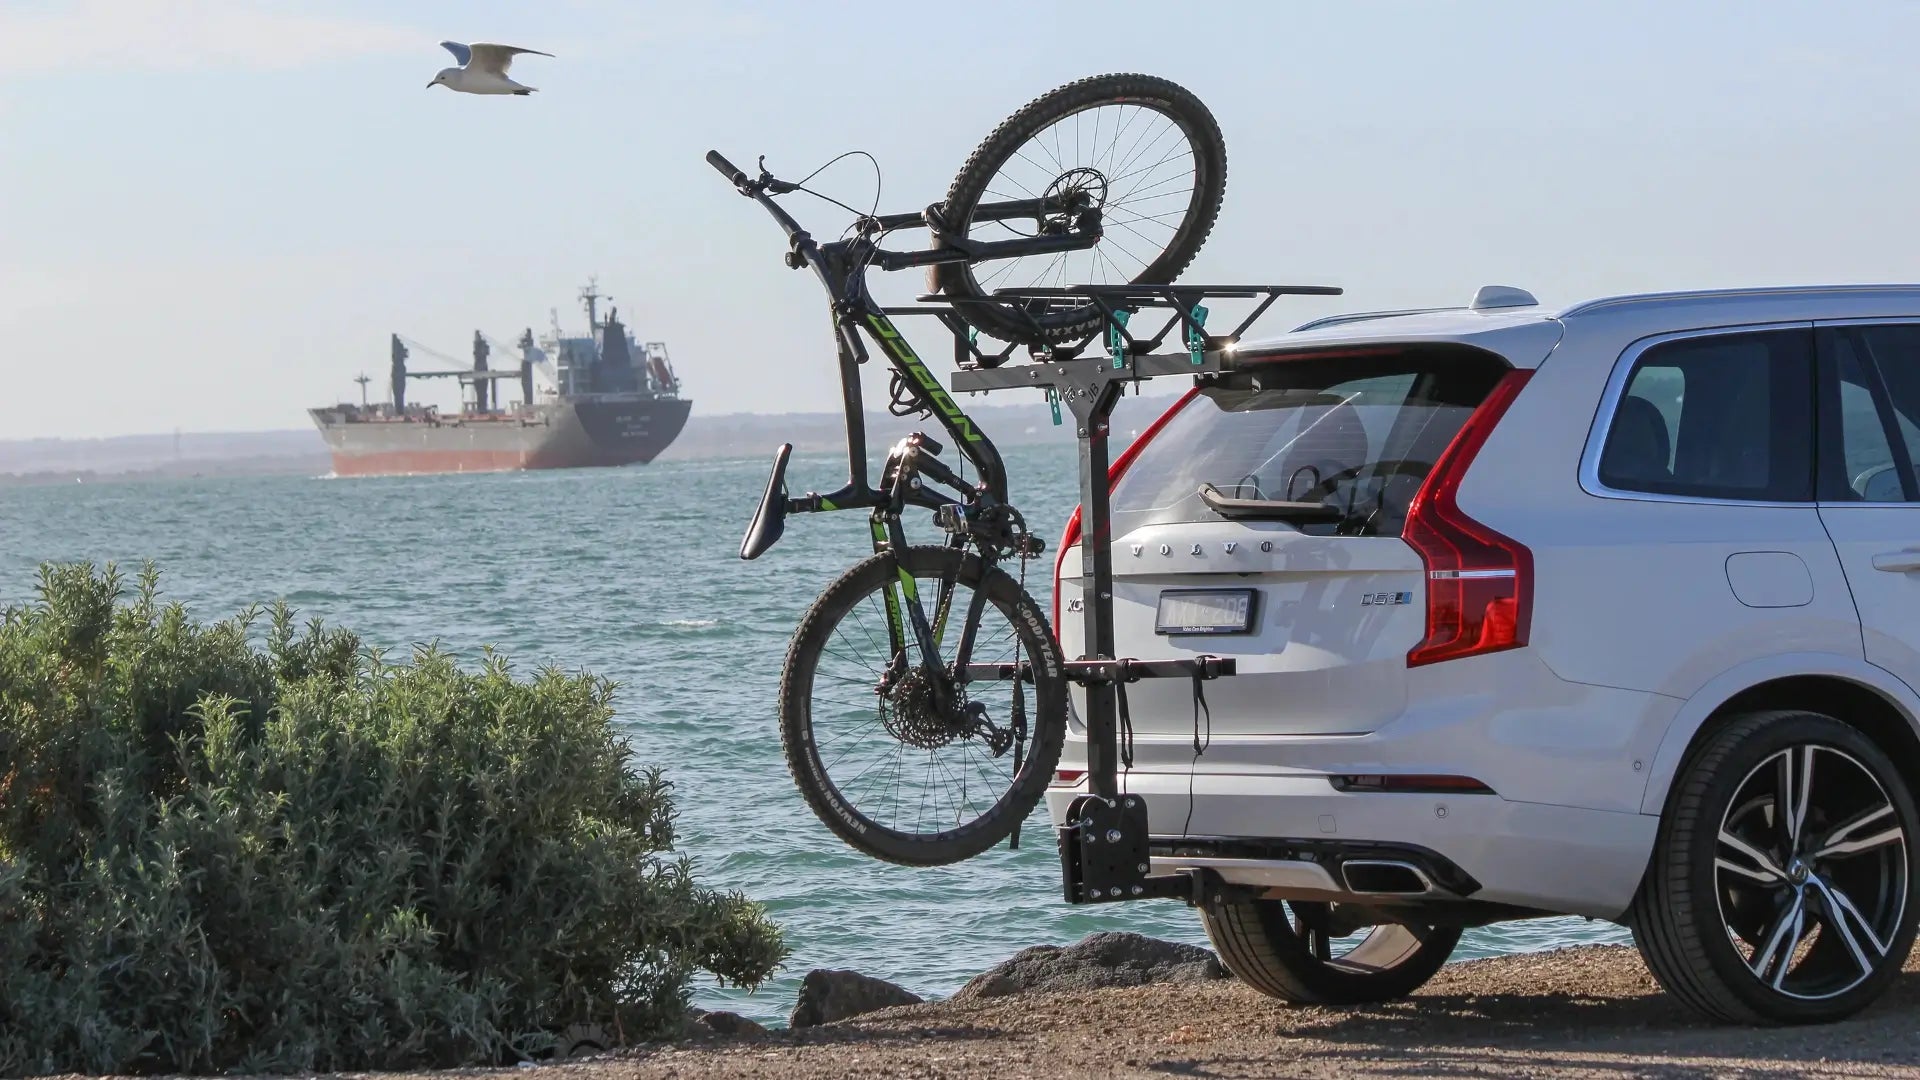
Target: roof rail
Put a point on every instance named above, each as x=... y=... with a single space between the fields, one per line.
x=1688 y=296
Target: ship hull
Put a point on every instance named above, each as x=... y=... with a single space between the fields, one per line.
x=585 y=432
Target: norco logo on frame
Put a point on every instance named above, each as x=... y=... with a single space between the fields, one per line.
x=904 y=353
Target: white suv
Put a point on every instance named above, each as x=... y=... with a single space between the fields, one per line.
x=1609 y=611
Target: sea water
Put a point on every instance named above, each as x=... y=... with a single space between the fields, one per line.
x=633 y=574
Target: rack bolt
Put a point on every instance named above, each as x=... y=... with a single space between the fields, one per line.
x=1137 y=890
x=1129 y=802
x=1266 y=545
x=1113 y=836
x=1142 y=867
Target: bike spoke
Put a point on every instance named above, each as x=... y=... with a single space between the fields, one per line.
x=903 y=771
x=1139 y=155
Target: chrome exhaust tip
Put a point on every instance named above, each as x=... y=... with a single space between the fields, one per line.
x=1385 y=877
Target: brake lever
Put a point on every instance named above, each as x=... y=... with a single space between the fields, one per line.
x=772 y=184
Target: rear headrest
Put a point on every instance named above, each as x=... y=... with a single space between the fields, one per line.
x=1638 y=445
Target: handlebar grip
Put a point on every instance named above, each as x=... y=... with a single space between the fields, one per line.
x=726 y=168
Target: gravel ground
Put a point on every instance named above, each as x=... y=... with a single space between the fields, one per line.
x=1587 y=1013
x=1591 y=1012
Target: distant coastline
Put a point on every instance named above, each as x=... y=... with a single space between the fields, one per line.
x=125 y=458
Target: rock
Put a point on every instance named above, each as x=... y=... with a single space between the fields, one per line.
x=582 y=1040
x=828 y=995
x=1097 y=960
x=721 y=1022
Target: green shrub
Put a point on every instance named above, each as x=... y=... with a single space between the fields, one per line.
x=246 y=846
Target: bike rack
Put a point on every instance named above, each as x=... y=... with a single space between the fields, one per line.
x=1103 y=846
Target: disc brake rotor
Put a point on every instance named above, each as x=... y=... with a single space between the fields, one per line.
x=1076 y=191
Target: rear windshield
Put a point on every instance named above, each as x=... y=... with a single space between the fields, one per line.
x=1357 y=431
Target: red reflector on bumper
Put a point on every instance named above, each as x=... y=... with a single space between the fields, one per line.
x=1402 y=783
x=1068 y=777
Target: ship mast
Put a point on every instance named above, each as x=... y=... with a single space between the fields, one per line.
x=591 y=296
x=363 y=381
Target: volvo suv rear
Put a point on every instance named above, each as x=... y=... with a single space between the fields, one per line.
x=1605 y=611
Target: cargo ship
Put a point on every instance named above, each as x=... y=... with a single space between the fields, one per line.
x=604 y=399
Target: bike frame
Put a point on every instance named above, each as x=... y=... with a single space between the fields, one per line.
x=841 y=266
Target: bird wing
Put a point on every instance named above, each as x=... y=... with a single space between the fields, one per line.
x=497 y=58
x=460 y=52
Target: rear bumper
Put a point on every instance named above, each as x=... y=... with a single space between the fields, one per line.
x=1564 y=832
x=1481 y=848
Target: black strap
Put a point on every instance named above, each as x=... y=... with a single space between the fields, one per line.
x=1126 y=726
x=1019 y=723
x=1199 y=746
x=1200 y=707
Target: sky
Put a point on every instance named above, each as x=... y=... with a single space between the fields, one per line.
x=213 y=212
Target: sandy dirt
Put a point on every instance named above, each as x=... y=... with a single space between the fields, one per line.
x=1586 y=1013
x=1591 y=1012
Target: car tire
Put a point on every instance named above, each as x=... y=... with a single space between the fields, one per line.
x=1275 y=947
x=1781 y=887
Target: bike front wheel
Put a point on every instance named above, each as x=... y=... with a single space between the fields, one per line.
x=1146 y=153
x=882 y=763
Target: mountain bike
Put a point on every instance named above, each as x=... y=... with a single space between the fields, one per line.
x=923 y=700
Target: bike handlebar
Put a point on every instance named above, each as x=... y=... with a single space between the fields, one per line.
x=727 y=169
x=757 y=191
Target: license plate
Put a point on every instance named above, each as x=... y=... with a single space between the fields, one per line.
x=1204 y=611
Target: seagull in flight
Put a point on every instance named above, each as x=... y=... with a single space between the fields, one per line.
x=483 y=69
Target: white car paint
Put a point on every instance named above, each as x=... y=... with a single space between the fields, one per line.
x=1650 y=612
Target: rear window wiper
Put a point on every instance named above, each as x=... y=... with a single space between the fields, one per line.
x=1297 y=513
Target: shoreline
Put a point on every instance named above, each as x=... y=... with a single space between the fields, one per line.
x=1583 y=1011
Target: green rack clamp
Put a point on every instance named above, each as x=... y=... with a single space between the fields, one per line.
x=1117 y=338
x=1196 y=336
x=1053 y=401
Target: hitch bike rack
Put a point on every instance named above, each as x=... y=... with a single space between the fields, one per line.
x=1104 y=844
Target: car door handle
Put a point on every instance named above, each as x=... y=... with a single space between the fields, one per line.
x=1898 y=562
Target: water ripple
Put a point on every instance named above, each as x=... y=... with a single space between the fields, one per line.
x=633 y=574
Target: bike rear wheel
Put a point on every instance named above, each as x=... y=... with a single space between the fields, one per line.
x=1146 y=152
x=889 y=774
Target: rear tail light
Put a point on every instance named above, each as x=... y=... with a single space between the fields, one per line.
x=1479 y=582
x=1068 y=777
x=1071 y=535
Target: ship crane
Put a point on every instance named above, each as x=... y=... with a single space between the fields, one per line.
x=604 y=398
x=478 y=377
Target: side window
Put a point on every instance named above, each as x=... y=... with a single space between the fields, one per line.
x=1888 y=356
x=1728 y=416
x=1863 y=467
